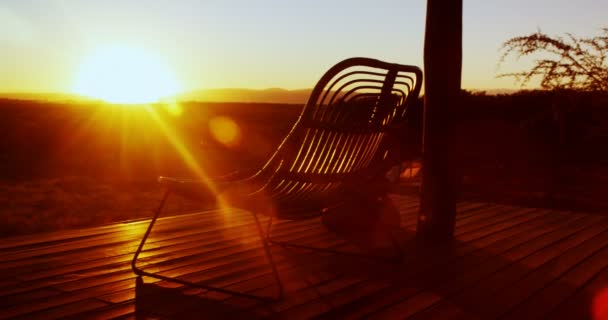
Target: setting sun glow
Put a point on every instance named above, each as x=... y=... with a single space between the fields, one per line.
x=124 y=75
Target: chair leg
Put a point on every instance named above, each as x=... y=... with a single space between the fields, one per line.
x=395 y=243
x=141 y=272
x=397 y=246
x=264 y=238
x=137 y=270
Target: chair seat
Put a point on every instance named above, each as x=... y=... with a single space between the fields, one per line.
x=241 y=195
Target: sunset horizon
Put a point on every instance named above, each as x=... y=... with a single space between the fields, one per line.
x=247 y=95
x=55 y=46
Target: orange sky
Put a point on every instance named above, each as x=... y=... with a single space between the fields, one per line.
x=259 y=44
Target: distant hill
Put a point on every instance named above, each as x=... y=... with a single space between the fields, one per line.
x=46 y=96
x=278 y=95
x=272 y=95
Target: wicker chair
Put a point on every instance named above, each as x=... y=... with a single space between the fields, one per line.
x=342 y=145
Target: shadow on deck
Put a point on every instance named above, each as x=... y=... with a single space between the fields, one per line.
x=505 y=262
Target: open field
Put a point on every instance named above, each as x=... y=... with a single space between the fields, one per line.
x=133 y=142
x=65 y=165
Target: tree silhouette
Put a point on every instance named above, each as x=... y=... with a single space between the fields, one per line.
x=564 y=62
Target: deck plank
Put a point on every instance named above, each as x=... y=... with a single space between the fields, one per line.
x=422 y=275
x=467 y=258
x=590 y=302
x=419 y=267
x=505 y=262
x=486 y=297
x=543 y=301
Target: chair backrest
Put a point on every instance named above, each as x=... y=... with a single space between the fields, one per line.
x=347 y=133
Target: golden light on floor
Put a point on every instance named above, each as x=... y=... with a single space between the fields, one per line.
x=120 y=74
x=225 y=130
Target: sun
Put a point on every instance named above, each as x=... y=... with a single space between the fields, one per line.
x=121 y=74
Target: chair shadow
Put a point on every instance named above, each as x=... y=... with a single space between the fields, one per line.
x=367 y=233
x=369 y=224
x=462 y=276
x=152 y=300
x=485 y=283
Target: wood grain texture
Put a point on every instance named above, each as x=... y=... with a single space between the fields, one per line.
x=505 y=262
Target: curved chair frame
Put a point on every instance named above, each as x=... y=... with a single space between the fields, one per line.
x=341 y=146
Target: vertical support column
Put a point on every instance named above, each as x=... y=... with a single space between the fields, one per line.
x=443 y=68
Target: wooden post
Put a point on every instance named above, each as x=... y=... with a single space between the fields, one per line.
x=442 y=68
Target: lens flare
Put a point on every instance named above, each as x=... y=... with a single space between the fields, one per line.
x=225 y=131
x=599 y=308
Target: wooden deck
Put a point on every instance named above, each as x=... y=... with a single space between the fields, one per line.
x=505 y=263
